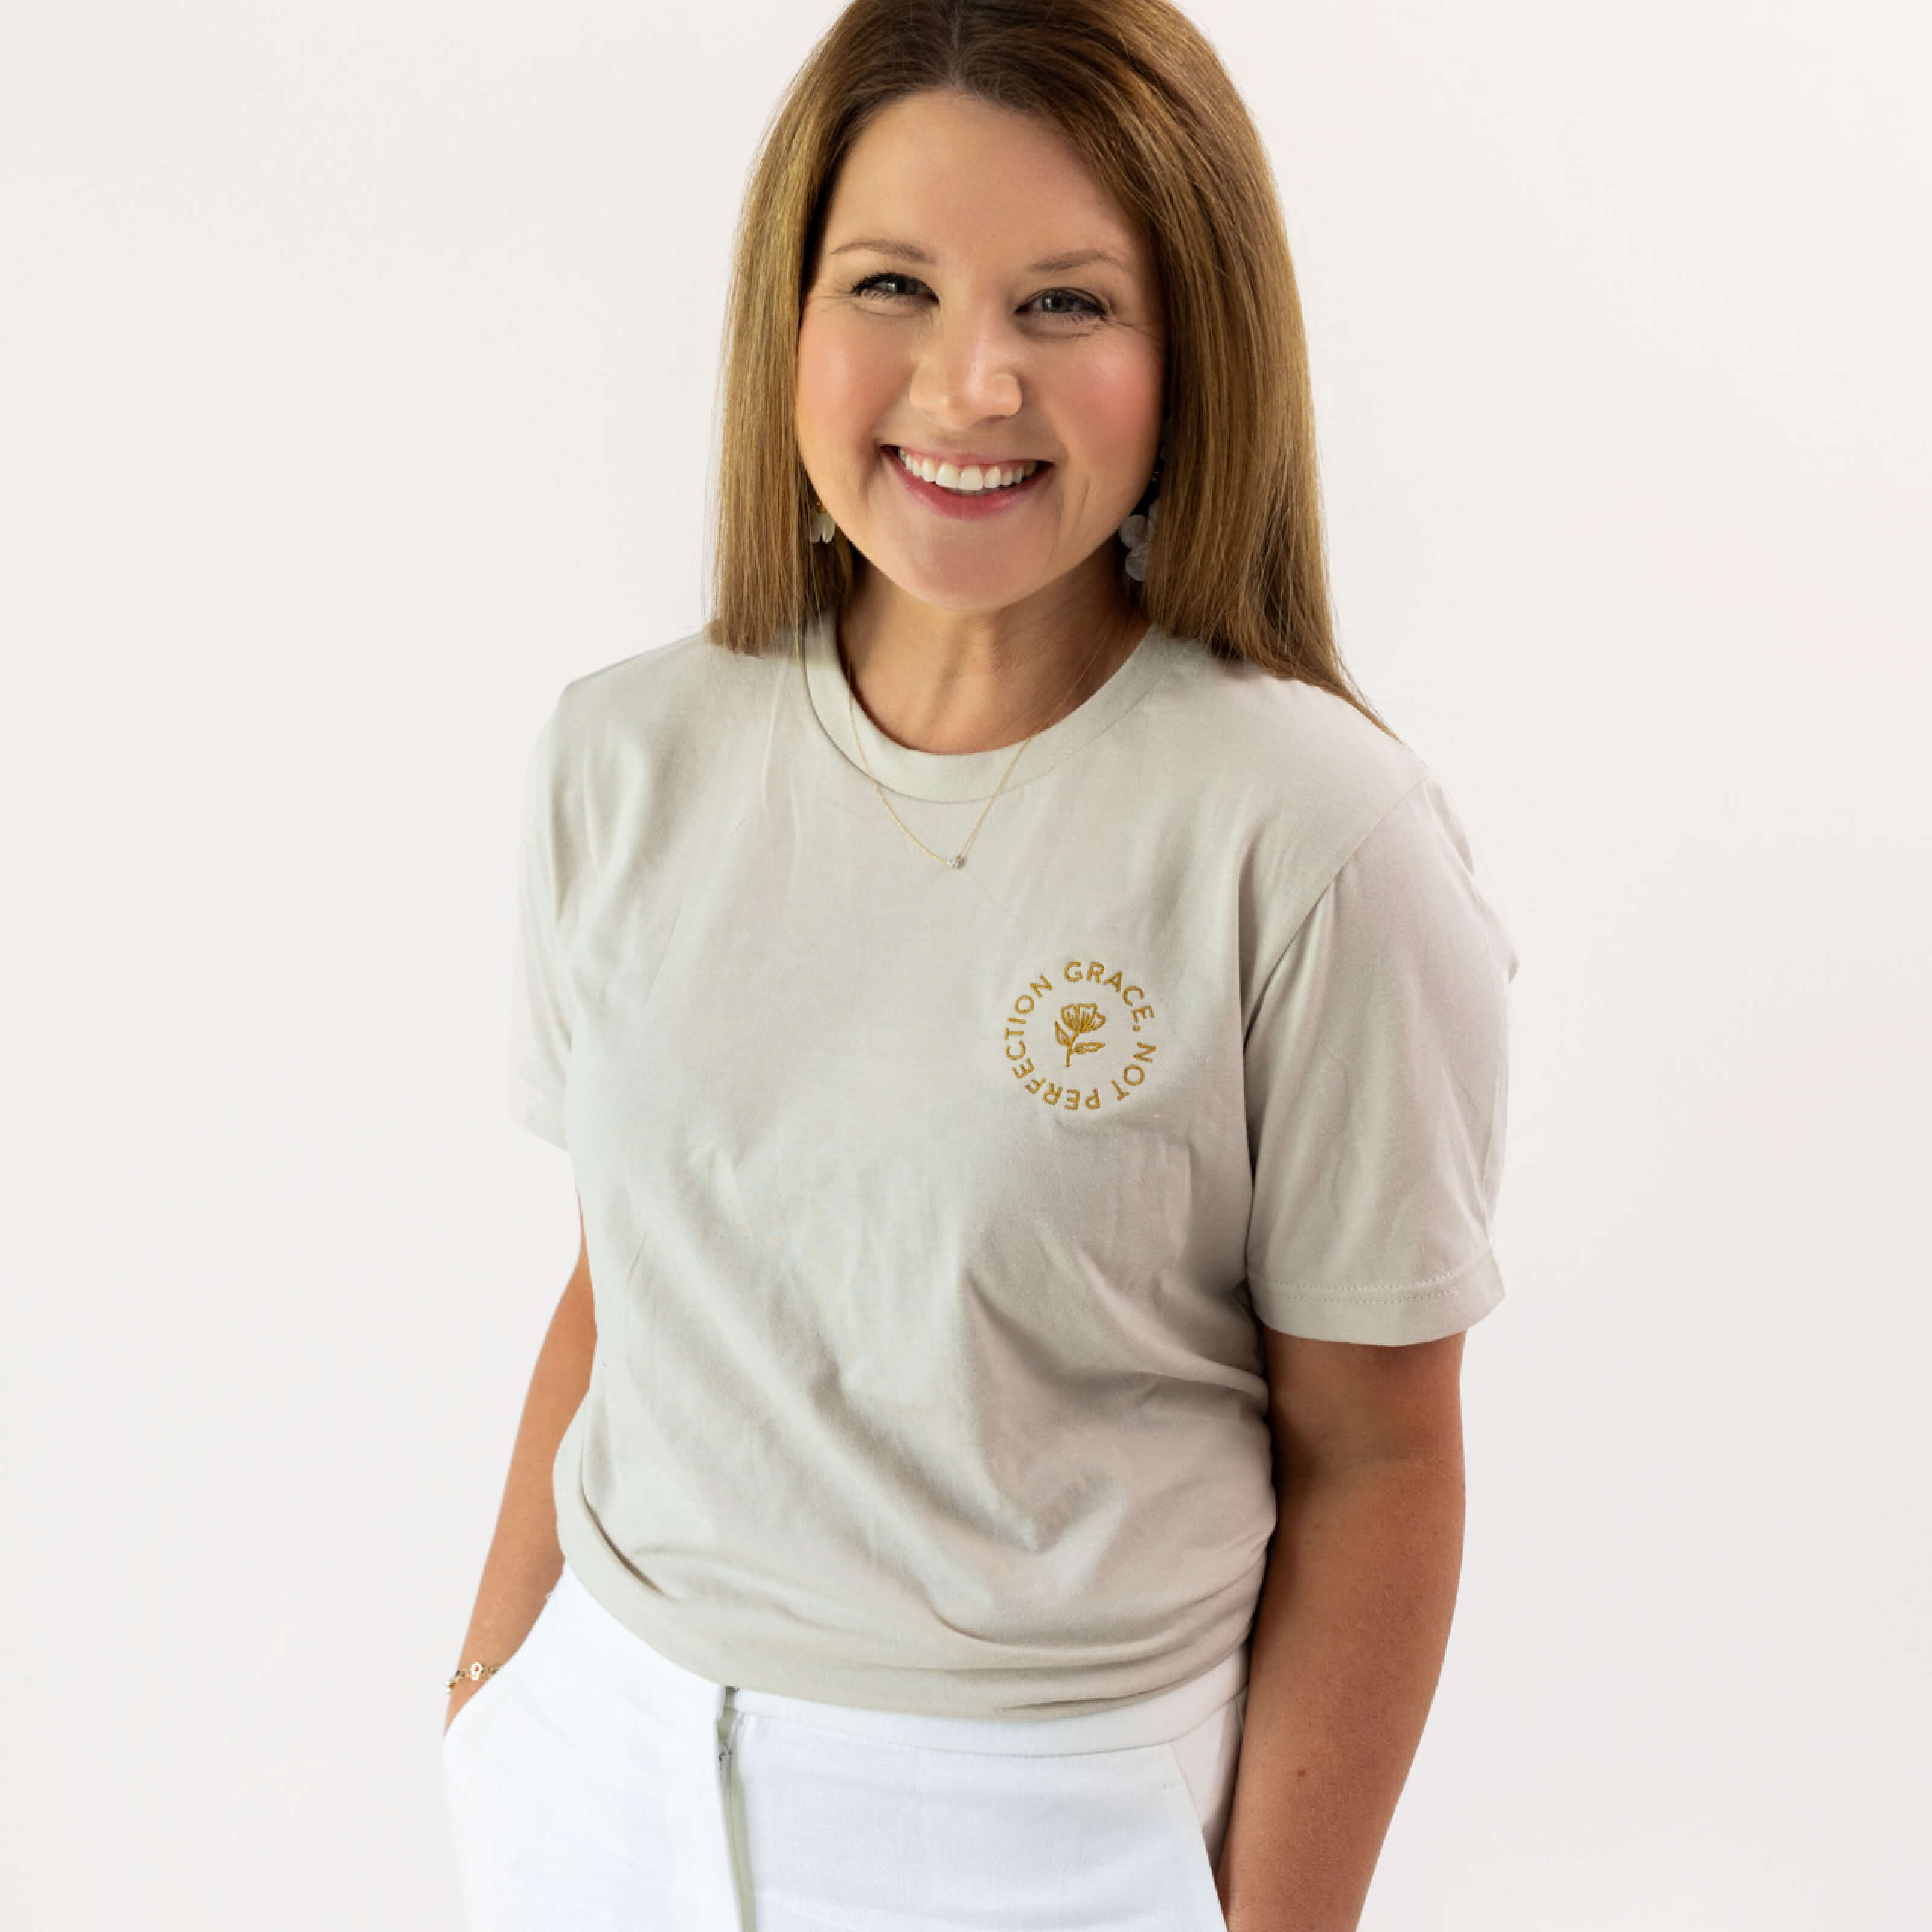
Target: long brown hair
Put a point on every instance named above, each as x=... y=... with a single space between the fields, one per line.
x=1238 y=559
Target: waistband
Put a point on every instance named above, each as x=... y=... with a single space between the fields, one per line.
x=1159 y=1719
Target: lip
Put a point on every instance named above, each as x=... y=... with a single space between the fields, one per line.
x=958 y=462
x=966 y=509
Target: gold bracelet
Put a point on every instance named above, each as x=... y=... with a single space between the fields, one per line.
x=476 y=1672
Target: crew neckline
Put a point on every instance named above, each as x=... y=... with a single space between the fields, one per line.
x=954 y=777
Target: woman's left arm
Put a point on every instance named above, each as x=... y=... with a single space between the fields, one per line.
x=1351 y=1625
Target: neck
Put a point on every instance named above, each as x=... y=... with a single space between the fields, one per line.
x=954 y=681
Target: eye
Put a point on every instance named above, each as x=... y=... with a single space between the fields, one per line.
x=1086 y=308
x=870 y=286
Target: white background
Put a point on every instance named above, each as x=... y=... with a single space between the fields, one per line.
x=358 y=364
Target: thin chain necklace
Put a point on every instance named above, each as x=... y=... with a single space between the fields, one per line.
x=958 y=858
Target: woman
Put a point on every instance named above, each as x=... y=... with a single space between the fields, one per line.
x=1032 y=1052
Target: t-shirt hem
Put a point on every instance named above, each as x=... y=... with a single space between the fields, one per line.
x=1389 y=1317
x=938 y=1693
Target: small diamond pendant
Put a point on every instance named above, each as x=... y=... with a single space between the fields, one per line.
x=953 y=864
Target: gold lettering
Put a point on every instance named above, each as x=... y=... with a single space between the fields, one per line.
x=1114 y=980
x=1093 y=1099
x=1016 y=1046
x=1094 y=969
x=1033 y=1086
x=1141 y=1013
x=1133 y=1074
x=1052 y=1096
x=1133 y=996
x=1145 y=1051
x=1024 y=1004
x=1120 y=1092
x=1072 y=1101
x=1043 y=985
x=1021 y=1071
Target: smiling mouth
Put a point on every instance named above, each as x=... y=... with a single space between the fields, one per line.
x=971 y=479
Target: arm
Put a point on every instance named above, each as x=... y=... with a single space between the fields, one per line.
x=525 y=1560
x=1351 y=1625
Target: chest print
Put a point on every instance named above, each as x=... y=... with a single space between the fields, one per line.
x=1080 y=1037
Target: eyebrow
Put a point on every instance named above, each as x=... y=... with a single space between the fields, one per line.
x=910 y=251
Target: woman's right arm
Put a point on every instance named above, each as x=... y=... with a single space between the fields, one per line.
x=525 y=1559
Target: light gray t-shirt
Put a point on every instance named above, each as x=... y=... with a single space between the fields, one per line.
x=930 y=1212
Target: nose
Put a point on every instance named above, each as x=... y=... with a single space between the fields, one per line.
x=967 y=370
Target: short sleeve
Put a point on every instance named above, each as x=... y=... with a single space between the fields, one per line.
x=540 y=1016
x=1376 y=1076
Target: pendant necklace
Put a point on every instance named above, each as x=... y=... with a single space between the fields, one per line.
x=958 y=858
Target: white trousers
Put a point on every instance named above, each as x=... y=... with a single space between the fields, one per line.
x=594 y=1785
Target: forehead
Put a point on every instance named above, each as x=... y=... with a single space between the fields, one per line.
x=951 y=174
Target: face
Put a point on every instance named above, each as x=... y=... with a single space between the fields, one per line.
x=978 y=299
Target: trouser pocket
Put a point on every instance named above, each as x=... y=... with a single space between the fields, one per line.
x=1208 y=1759
x=479 y=1708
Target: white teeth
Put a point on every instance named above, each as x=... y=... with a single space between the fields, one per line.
x=975 y=479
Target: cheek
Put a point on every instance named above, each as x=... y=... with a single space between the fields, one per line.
x=841 y=385
x=1113 y=403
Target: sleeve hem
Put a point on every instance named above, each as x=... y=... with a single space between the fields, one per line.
x=1426 y=1312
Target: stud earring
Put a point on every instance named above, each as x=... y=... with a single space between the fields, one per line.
x=822 y=528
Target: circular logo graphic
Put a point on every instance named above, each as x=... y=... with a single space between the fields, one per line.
x=1080 y=1037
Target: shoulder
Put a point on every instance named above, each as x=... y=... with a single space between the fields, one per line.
x=1286 y=740
x=626 y=749
x=670 y=689
x=658 y=716
x=1298 y=773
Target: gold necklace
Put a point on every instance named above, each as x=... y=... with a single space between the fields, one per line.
x=958 y=858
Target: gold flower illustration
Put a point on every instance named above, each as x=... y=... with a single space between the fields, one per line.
x=1075 y=1021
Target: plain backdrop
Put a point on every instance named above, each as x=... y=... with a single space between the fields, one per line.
x=357 y=372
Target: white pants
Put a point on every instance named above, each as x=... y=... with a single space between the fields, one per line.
x=594 y=1785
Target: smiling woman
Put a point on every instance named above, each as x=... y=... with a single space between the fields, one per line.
x=970 y=621
x=1032 y=1051
x=927 y=160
